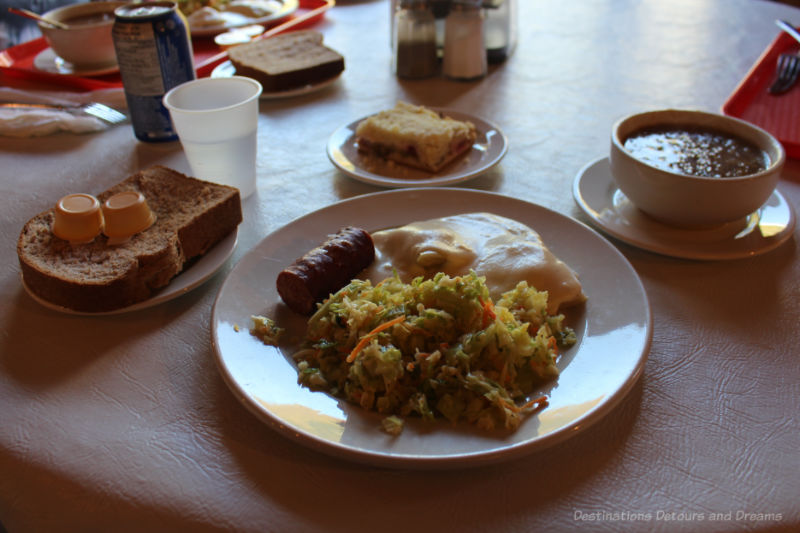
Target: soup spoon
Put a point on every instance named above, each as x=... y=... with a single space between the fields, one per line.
x=35 y=16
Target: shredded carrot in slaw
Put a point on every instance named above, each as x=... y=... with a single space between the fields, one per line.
x=368 y=337
x=552 y=343
x=489 y=315
x=539 y=402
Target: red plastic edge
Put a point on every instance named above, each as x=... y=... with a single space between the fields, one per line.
x=778 y=114
x=17 y=61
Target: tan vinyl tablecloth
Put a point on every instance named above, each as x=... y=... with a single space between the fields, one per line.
x=123 y=422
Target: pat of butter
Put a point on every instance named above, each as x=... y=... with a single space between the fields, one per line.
x=78 y=218
x=126 y=214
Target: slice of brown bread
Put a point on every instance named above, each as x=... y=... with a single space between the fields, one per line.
x=192 y=216
x=287 y=61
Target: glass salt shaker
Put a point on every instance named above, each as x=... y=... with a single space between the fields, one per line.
x=414 y=40
x=464 y=48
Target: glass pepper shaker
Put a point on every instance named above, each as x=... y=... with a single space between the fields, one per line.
x=500 y=28
x=414 y=40
x=464 y=48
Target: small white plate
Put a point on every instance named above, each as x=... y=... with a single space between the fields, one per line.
x=613 y=327
x=489 y=148
x=48 y=61
x=237 y=20
x=226 y=70
x=598 y=196
x=192 y=277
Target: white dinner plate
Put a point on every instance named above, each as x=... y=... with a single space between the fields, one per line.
x=237 y=20
x=613 y=328
x=48 y=61
x=192 y=277
x=489 y=148
x=598 y=196
x=226 y=70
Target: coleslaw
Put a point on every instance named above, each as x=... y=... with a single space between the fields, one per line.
x=436 y=348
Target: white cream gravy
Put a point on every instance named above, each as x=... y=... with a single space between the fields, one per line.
x=503 y=250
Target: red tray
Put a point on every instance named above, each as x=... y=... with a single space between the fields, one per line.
x=778 y=114
x=17 y=61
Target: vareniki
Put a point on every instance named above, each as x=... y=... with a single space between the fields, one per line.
x=503 y=250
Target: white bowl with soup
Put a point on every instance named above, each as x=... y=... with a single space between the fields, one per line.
x=692 y=168
x=86 y=43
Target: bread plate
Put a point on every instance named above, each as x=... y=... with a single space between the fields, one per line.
x=236 y=20
x=192 y=277
x=614 y=329
x=487 y=151
x=226 y=70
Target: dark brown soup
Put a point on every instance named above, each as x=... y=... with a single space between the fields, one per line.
x=696 y=151
x=90 y=18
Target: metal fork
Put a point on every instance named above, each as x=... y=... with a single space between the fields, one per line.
x=788 y=70
x=101 y=111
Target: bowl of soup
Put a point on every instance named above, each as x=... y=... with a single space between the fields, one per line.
x=86 y=43
x=692 y=168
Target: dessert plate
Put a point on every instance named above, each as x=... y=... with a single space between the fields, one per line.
x=236 y=20
x=48 y=61
x=613 y=327
x=226 y=70
x=489 y=148
x=192 y=277
x=597 y=195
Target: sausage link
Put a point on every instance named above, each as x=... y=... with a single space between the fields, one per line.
x=325 y=269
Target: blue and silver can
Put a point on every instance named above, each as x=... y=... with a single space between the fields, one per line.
x=154 y=52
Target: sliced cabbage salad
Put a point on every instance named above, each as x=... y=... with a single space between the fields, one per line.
x=436 y=348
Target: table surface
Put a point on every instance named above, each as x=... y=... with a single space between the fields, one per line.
x=123 y=422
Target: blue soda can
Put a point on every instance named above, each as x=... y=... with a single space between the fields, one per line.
x=154 y=52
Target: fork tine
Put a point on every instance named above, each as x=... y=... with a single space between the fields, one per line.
x=104 y=112
x=783 y=67
x=794 y=67
x=788 y=70
x=792 y=70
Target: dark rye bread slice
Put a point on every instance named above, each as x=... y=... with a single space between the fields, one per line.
x=192 y=216
x=287 y=61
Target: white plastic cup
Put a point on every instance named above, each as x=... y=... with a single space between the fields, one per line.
x=217 y=123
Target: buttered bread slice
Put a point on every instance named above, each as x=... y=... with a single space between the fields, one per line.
x=191 y=216
x=415 y=136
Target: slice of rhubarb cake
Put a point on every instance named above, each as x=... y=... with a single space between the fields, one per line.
x=415 y=136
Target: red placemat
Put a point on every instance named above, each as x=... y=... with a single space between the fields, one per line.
x=18 y=61
x=778 y=114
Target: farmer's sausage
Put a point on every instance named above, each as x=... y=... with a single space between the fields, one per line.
x=325 y=269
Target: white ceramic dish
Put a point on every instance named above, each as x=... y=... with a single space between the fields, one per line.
x=684 y=200
x=489 y=148
x=613 y=327
x=187 y=280
x=48 y=61
x=598 y=196
x=86 y=42
x=226 y=70
x=237 y=20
